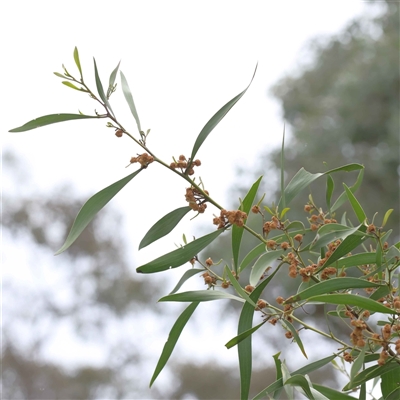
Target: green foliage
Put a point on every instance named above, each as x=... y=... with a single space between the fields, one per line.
x=318 y=257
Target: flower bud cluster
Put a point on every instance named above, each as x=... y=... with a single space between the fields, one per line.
x=271 y=225
x=143 y=159
x=186 y=165
x=317 y=220
x=196 y=199
x=235 y=217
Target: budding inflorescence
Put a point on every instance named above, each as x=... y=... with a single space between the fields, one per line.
x=143 y=159
x=196 y=199
x=235 y=217
x=184 y=165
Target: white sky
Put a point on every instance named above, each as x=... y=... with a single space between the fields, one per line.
x=183 y=61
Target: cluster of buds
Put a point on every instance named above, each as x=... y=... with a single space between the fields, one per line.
x=208 y=279
x=348 y=357
x=235 y=217
x=331 y=248
x=196 y=199
x=293 y=262
x=143 y=159
x=383 y=356
x=271 y=225
x=307 y=272
x=397 y=346
x=356 y=335
x=317 y=220
x=186 y=165
x=327 y=272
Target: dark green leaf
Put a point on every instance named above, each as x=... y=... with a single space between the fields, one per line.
x=329 y=286
x=214 y=121
x=262 y=263
x=50 y=119
x=244 y=347
x=188 y=274
x=77 y=61
x=237 y=232
x=237 y=339
x=390 y=381
x=164 y=226
x=394 y=395
x=179 y=256
x=371 y=373
x=352 y=300
x=347 y=246
x=382 y=291
x=200 y=295
x=330 y=186
x=92 y=207
x=129 y=100
x=100 y=89
x=355 y=205
x=302 y=371
x=172 y=339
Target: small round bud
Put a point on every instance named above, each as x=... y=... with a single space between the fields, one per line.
x=255 y=209
x=298 y=237
x=119 y=133
x=280 y=299
x=225 y=284
x=249 y=288
x=209 y=262
x=197 y=163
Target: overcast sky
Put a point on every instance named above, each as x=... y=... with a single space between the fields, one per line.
x=183 y=61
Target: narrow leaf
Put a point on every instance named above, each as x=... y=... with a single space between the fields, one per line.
x=129 y=100
x=352 y=300
x=113 y=76
x=356 y=259
x=390 y=383
x=50 y=119
x=355 y=205
x=240 y=291
x=300 y=380
x=77 y=61
x=302 y=371
x=164 y=226
x=180 y=256
x=357 y=364
x=100 y=89
x=283 y=195
x=251 y=255
x=173 y=338
x=347 y=246
x=188 y=274
x=214 y=121
x=331 y=393
x=237 y=232
x=331 y=285
x=330 y=232
x=296 y=336
x=371 y=373
x=200 y=295
x=69 y=84
x=330 y=186
x=343 y=197
x=237 y=339
x=262 y=263
x=278 y=369
x=386 y=217
x=304 y=178
x=244 y=347
x=92 y=207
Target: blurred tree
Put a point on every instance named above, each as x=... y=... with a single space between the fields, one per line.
x=343 y=107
